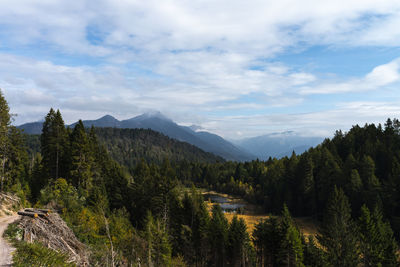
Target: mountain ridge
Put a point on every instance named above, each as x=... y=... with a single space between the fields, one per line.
x=158 y=122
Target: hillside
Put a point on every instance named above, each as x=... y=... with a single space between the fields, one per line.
x=129 y=146
x=156 y=121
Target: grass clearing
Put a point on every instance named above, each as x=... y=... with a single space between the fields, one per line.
x=252 y=214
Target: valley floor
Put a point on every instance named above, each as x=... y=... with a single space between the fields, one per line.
x=253 y=214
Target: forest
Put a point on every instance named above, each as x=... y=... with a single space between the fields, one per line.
x=144 y=208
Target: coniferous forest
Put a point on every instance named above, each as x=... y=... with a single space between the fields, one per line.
x=131 y=196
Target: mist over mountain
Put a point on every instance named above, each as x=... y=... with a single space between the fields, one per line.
x=277 y=144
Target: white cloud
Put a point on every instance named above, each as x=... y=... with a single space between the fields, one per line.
x=380 y=76
x=319 y=123
x=186 y=57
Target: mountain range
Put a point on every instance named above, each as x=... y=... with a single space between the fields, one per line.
x=262 y=147
x=278 y=144
x=156 y=121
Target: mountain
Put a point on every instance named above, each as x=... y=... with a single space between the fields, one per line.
x=32 y=127
x=105 y=121
x=129 y=146
x=156 y=121
x=277 y=144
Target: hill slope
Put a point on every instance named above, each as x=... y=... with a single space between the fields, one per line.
x=129 y=146
x=156 y=121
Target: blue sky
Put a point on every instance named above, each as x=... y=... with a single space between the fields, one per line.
x=236 y=68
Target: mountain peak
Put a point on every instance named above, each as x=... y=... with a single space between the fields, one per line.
x=108 y=118
x=196 y=128
x=151 y=115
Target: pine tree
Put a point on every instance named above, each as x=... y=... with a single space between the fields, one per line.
x=5 y=121
x=291 y=252
x=337 y=234
x=54 y=145
x=158 y=246
x=267 y=238
x=238 y=239
x=81 y=159
x=313 y=255
x=378 y=246
x=218 y=228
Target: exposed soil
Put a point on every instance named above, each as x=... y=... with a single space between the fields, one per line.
x=5 y=247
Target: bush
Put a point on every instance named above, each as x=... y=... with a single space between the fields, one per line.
x=35 y=254
x=13 y=232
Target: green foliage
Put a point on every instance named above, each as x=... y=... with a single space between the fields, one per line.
x=238 y=243
x=61 y=195
x=313 y=255
x=337 y=233
x=13 y=232
x=13 y=155
x=120 y=194
x=278 y=242
x=158 y=246
x=81 y=159
x=291 y=248
x=378 y=246
x=218 y=235
x=129 y=146
x=35 y=254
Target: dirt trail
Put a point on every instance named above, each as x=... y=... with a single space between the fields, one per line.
x=5 y=248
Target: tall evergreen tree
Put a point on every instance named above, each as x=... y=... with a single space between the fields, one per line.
x=218 y=229
x=313 y=254
x=158 y=246
x=267 y=238
x=291 y=248
x=81 y=158
x=5 y=121
x=377 y=244
x=238 y=239
x=337 y=233
x=54 y=145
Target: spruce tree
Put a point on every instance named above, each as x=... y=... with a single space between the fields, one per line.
x=377 y=244
x=238 y=239
x=5 y=121
x=338 y=232
x=313 y=255
x=158 y=246
x=267 y=238
x=81 y=158
x=291 y=248
x=54 y=145
x=218 y=228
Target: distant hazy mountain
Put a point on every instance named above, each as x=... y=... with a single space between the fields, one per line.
x=156 y=121
x=106 y=121
x=278 y=144
x=32 y=127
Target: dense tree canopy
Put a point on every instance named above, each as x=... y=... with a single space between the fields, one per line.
x=131 y=196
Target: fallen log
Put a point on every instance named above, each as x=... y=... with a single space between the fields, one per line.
x=38 y=210
x=39 y=213
x=29 y=214
x=44 y=210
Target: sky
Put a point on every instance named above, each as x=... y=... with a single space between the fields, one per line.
x=236 y=68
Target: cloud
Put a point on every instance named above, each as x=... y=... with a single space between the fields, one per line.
x=319 y=123
x=196 y=58
x=380 y=76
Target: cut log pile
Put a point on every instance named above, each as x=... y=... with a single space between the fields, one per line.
x=51 y=230
x=34 y=213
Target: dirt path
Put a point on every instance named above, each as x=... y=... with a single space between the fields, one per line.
x=5 y=248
